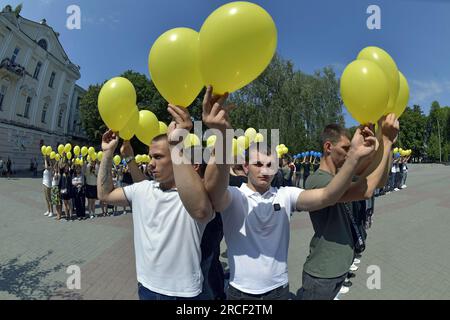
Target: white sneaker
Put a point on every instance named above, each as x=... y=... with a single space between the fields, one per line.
x=396 y=189
x=51 y=215
x=354 y=267
x=404 y=186
x=92 y=217
x=344 y=290
x=356 y=261
x=46 y=214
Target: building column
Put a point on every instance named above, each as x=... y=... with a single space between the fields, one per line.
x=58 y=97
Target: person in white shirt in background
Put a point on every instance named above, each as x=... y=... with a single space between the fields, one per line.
x=169 y=215
x=79 y=192
x=55 y=192
x=91 y=186
x=47 y=176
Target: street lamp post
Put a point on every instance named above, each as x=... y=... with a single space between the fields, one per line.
x=439 y=137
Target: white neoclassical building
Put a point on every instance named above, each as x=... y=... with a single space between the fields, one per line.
x=39 y=97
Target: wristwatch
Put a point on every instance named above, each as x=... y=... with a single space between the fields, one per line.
x=129 y=159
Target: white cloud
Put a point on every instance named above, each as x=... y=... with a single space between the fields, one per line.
x=426 y=91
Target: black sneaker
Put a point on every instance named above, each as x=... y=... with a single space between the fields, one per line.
x=351 y=275
x=348 y=284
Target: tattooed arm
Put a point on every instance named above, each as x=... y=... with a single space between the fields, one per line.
x=105 y=187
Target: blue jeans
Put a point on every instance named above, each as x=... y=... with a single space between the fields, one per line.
x=147 y=294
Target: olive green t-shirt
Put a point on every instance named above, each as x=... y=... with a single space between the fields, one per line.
x=331 y=248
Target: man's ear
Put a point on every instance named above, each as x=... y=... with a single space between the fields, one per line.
x=196 y=167
x=245 y=166
x=327 y=146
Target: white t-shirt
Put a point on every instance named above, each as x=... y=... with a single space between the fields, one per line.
x=47 y=178
x=393 y=169
x=55 y=180
x=166 y=241
x=91 y=177
x=257 y=237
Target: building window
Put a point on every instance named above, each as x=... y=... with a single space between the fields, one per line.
x=52 y=79
x=44 y=112
x=43 y=44
x=26 y=114
x=15 y=54
x=2 y=96
x=60 y=116
x=78 y=103
x=37 y=71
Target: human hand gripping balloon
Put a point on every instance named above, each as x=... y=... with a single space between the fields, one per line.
x=363 y=143
x=110 y=142
x=390 y=128
x=180 y=126
x=215 y=115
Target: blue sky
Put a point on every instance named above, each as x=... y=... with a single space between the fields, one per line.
x=116 y=35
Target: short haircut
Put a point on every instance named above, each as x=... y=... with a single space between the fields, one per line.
x=333 y=133
x=258 y=147
x=159 y=137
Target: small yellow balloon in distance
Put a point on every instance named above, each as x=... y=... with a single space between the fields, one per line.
x=76 y=150
x=89 y=159
x=174 y=66
x=67 y=148
x=43 y=150
x=250 y=133
x=93 y=156
x=148 y=127
x=389 y=67
x=191 y=140
x=162 y=128
x=285 y=150
x=138 y=158
x=117 y=160
x=48 y=150
x=403 y=96
x=84 y=151
x=57 y=157
x=211 y=141
x=100 y=155
x=395 y=150
x=259 y=138
x=364 y=91
x=116 y=102
x=91 y=150
x=237 y=42
x=60 y=149
x=243 y=142
x=128 y=131
x=69 y=155
x=52 y=155
x=234 y=147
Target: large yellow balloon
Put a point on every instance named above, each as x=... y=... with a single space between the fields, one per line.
x=402 y=98
x=44 y=150
x=389 y=67
x=67 y=147
x=116 y=102
x=364 y=91
x=237 y=43
x=48 y=150
x=128 y=131
x=148 y=127
x=162 y=128
x=76 y=150
x=174 y=66
x=250 y=133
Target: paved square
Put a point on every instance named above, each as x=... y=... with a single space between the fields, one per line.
x=409 y=242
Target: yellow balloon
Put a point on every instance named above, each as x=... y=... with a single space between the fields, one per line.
x=237 y=43
x=388 y=66
x=191 y=140
x=138 y=158
x=402 y=98
x=250 y=133
x=52 y=155
x=148 y=127
x=89 y=158
x=259 y=138
x=91 y=150
x=100 y=155
x=243 y=142
x=395 y=150
x=211 y=141
x=67 y=148
x=284 y=150
x=162 y=128
x=174 y=66
x=76 y=150
x=57 y=157
x=116 y=102
x=69 y=155
x=44 y=150
x=364 y=91
x=84 y=151
x=48 y=150
x=93 y=156
x=60 y=149
x=128 y=131
x=117 y=160
x=234 y=149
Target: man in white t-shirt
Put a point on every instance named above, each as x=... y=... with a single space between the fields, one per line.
x=256 y=216
x=169 y=216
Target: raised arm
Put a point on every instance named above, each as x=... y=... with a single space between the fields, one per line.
x=105 y=187
x=127 y=151
x=217 y=175
x=362 y=146
x=189 y=184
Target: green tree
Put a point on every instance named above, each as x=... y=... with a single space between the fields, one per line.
x=413 y=131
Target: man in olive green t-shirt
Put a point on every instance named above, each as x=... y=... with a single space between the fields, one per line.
x=332 y=247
